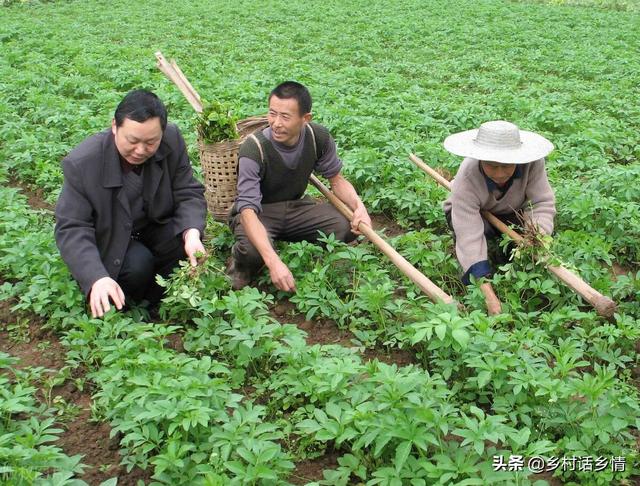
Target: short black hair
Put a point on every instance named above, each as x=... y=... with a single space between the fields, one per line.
x=140 y=105
x=293 y=89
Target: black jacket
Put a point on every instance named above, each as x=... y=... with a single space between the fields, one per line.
x=93 y=219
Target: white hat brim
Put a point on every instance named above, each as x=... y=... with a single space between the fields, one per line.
x=533 y=147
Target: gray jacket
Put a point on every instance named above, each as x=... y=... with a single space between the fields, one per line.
x=470 y=194
x=93 y=218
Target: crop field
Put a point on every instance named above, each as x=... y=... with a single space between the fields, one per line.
x=357 y=378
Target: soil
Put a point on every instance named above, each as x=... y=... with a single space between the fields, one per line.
x=321 y=331
x=326 y=331
x=42 y=348
x=399 y=357
x=618 y=270
x=311 y=469
x=92 y=440
x=381 y=221
x=35 y=196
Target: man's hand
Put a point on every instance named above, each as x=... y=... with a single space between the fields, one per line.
x=494 y=307
x=192 y=245
x=348 y=195
x=281 y=276
x=360 y=215
x=101 y=291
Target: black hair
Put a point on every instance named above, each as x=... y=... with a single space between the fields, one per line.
x=292 y=89
x=140 y=105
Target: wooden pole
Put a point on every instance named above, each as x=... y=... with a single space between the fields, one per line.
x=179 y=80
x=175 y=75
x=604 y=305
x=184 y=79
x=427 y=286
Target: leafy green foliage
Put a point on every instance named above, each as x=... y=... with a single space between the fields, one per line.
x=246 y=395
x=27 y=430
x=629 y=5
x=216 y=123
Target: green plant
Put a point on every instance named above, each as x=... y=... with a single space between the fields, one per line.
x=19 y=330
x=26 y=432
x=216 y=123
x=43 y=345
x=52 y=380
x=65 y=411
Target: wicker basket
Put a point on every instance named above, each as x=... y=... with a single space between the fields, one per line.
x=220 y=167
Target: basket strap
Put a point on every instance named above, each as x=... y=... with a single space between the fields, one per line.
x=313 y=138
x=259 y=145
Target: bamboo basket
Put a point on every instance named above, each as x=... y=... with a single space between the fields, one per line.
x=220 y=167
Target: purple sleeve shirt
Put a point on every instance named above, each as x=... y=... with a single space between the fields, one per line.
x=249 y=194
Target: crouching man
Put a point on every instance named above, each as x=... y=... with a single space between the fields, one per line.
x=274 y=169
x=130 y=207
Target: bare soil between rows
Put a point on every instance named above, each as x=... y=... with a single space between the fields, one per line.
x=81 y=435
x=91 y=439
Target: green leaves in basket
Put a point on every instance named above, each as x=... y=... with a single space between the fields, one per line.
x=216 y=123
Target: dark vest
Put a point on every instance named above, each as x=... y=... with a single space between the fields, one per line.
x=277 y=181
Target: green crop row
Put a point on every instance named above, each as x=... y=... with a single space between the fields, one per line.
x=575 y=85
x=164 y=404
x=27 y=431
x=383 y=88
x=626 y=5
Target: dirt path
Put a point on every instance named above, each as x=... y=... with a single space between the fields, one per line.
x=35 y=197
x=326 y=331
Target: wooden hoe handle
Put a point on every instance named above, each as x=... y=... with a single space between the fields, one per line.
x=427 y=286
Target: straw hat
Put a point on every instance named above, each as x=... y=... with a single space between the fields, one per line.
x=499 y=141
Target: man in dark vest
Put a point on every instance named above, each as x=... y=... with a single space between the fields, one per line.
x=274 y=169
x=129 y=207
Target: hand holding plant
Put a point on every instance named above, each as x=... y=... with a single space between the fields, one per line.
x=193 y=247
x=281 y=276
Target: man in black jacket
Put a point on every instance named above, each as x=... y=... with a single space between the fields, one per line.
x=130 y=207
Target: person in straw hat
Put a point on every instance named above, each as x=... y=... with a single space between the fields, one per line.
x=503 y=172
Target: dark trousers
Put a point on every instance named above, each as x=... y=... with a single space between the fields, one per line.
x=137 y=276
x=298 y=220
